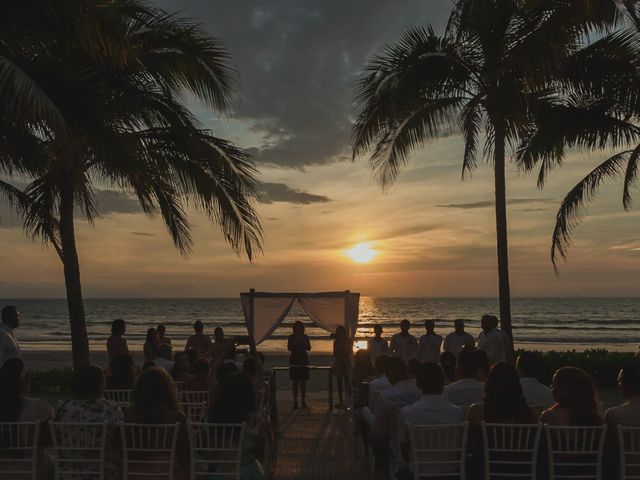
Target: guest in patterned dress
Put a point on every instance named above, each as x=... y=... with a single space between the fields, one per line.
x=88 y=406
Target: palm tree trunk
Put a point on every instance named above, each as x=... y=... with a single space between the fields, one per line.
x=501 y=231
x=79 y=339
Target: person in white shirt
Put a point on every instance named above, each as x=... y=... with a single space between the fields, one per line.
x=629 y=412
x=491 y=340
x=458 y=339
x=379 y=384
x=377 y=345
x=538 y=395
x=431 y=409
x=430 y=343
x=468 y=389
x=403 y=344
x=9 y=347
x=403 y=391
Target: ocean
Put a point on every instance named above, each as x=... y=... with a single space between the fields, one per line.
x=549 y=323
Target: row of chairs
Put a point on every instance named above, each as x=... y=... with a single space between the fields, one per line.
x=512 y=451
x=193 y=403
x=148 y=451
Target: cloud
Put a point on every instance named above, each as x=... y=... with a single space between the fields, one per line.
x=280 y=192
x=110 y=201
x=405 y=232
x=144 y=234
x=490 y=203
x=298 y=61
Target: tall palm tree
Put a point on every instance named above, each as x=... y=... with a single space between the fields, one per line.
x=126 y=125
x=494 y=56
x=594 y=106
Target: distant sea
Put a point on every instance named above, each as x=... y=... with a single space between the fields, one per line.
x=551 y=323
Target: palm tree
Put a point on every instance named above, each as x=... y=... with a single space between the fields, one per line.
x=594 y=106
x=126 y=126
x=479 y=76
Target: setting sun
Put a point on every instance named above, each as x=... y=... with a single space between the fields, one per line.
x=361 y=253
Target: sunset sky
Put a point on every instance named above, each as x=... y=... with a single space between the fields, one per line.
x=434 y=233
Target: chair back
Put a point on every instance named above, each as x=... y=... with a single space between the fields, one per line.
x=510 y=451
x=629 y=447
x=216 y=450
x=438 y=451
x=121 y=397
x=194 y=411
x=195 y=396
x=78 y=449
x=149 y=451
x=19 y=449
x=575 y=452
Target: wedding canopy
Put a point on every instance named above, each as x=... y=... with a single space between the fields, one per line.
x=264 y=312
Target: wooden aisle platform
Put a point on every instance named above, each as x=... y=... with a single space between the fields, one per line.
x=316 y=444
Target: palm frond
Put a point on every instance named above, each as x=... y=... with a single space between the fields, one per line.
x=572 y=208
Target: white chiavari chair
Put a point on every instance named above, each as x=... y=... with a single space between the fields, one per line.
x=149 y=451
x=510 y=451
x=79 y=450
x=575 y=452
x=629 y=448
x=121 y=397
x=19 y=450
x=438 y=451
x=216 y=450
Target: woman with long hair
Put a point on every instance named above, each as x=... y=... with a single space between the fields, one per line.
x=299 y=346
x=503 y=401
x=576 y=400
x=235 y=402
x=342 y=353
x=154 y=400
x=151 y=345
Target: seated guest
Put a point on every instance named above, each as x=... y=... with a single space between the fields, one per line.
x=150 y=347
x=538 y=395
x=412 y=368
x=448 y=364
x=117 y=344
x=576 y=397
x=235 y=402
x=467 y=390
x=155 y=401
x=380 y=383
x=180 y=370
x=431 y=409
x=15 y=405
x=162 y=337
x=377 y=345
x=629 y=412
x=164 y=357
x=363 y=368
x=504 y=401
x=88 y=406
x=121 y=368
x=403 y=391
x=199 y=381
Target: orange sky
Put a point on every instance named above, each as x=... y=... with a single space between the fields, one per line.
x=434 y=233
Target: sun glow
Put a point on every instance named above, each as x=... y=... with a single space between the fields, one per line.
x=361 y=253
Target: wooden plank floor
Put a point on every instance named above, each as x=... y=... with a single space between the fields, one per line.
x=316 y=444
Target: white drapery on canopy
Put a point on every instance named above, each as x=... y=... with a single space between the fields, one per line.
x=264 y=312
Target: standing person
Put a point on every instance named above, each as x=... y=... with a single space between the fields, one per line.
x=219 y=345
x=491 y=340
x=150 y=347
x=9 y=347
x=458 y=339
x=342 y=353
x=377 y=345
x=200 y=342
x=403 y=344
x=467 y=390
x=430 y=343
x=162 y=338
x=116 y=343
x=299 y=346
